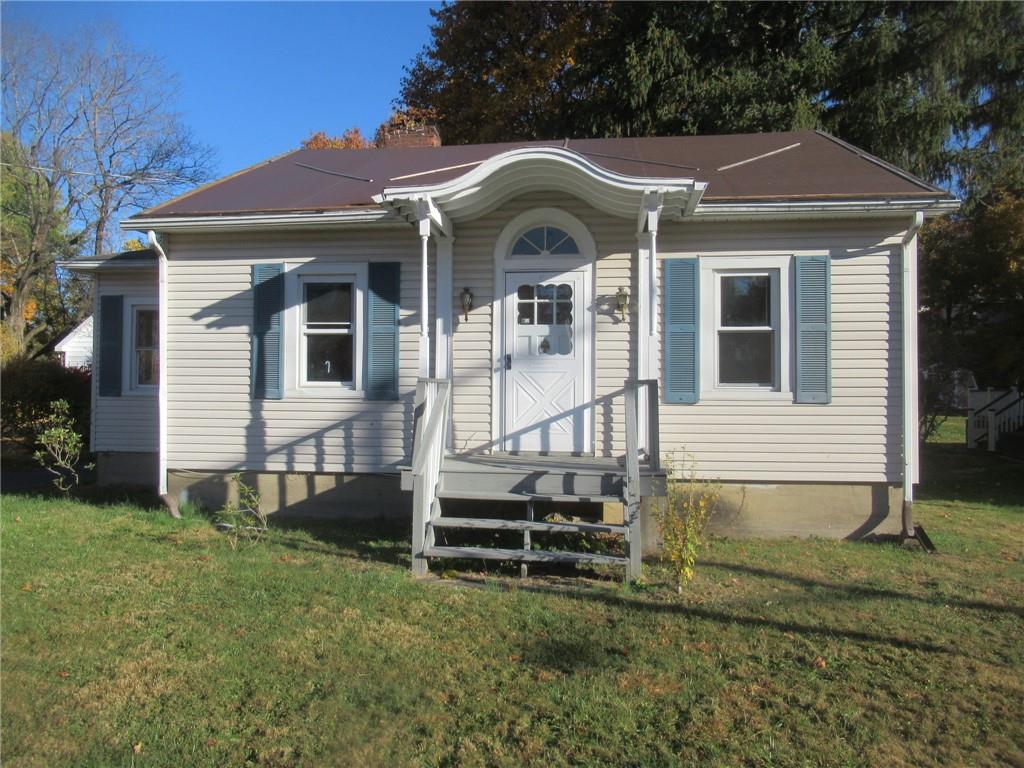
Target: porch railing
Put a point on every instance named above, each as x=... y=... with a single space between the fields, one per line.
x=992 y=414
x=641 y=398
x=433 y=403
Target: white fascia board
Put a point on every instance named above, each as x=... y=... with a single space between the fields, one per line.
x=354 y=216
x=930 y=207
x=94 y=265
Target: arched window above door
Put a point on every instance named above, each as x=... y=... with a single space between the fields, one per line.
x=544 y=241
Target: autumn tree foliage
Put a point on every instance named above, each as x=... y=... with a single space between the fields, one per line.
x=350 y=139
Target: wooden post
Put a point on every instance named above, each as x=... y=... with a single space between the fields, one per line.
x=419 y=492
x=632 y=491
x=993 y=435
x=527 y=543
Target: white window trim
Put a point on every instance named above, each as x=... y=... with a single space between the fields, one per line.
x=129 y=379
x=780 y=269
x=296 y=274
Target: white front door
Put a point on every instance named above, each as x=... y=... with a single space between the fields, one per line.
x=544 y=379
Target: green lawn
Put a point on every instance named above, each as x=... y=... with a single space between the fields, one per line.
x=132 y=639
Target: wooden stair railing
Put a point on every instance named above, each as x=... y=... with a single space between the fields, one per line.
x=433 y=400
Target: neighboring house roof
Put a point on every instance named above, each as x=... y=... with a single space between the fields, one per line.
x=802 y=165
x=76 y=344
x=138 y=259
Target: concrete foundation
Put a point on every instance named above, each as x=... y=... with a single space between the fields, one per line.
x=134 y=470
x=340 y=496
x=833 y=511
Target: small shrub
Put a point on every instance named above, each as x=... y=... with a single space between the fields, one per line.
x=61 y=446
x=244 y=521
x=682 y=518
x=30 y=386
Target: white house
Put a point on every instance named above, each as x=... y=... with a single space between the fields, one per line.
x=75 y=349
x=536 y=321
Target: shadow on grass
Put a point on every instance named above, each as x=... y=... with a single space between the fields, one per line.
x=756 y=622
x=383 y=541
x=859 y=591
x=954 y=473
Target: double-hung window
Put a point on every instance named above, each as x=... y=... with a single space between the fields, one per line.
x=144 y=365
x=746 y=330
x=327 y=346
x=745 y=317
x=324 y=319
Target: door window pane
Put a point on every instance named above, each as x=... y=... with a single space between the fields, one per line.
x=329 y=358
x=545 y=313
x=745 y=357
x=746 y=301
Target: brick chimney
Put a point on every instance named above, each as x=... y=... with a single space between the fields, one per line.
x=411 y=138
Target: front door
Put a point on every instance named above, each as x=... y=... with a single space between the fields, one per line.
x=544 y=378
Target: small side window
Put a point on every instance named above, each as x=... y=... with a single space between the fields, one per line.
x=145 y=371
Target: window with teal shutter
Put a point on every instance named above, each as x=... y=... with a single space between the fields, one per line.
x=813 y=335
x=111 y=333
x=681 y=340
x=382 y=332
x=267 y=333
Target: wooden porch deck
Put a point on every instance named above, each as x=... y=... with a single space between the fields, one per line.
x=436 y=475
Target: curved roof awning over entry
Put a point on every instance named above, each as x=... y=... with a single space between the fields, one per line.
x=542 y=169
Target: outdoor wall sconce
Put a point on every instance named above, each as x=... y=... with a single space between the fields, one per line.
x=467 y=302
x=622 y=301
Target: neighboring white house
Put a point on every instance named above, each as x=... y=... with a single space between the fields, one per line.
x=75 y=349
x=495 y=321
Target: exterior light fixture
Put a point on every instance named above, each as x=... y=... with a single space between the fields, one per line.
x=467 y=302
x=622 y=301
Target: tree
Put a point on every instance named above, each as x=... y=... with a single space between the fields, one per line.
x=350 y=139
x=932 y=87
x=91 y=136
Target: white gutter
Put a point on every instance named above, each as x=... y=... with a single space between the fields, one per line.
x=908 y=301
x=162 y=388
x=819 y=208
x=369 y=215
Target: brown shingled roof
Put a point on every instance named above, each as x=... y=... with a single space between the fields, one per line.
x=820 y=167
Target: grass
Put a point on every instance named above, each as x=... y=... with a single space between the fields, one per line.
x=132 y=639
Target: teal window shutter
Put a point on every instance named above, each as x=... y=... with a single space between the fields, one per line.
x=111 y=329
x=267 y=332
x=382 y=333
x=813 y=333
x=681 y=345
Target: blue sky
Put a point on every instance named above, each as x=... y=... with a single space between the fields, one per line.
x=257 y=78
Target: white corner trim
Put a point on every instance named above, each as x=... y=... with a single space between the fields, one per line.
x=162 y=325
x=908 y=302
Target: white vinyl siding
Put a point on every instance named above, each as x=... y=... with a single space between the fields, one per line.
x=855 y=438
x=128 y=422
x=213 y=422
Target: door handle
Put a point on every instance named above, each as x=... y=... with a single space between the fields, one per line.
x=508 y=362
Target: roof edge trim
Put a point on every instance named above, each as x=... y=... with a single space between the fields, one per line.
x=213 y=223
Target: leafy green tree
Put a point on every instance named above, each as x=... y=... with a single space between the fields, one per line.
x=933 y=87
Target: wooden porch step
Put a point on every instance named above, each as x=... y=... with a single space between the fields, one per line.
x=489 y=524
x=524 y=555
x=469 y=495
